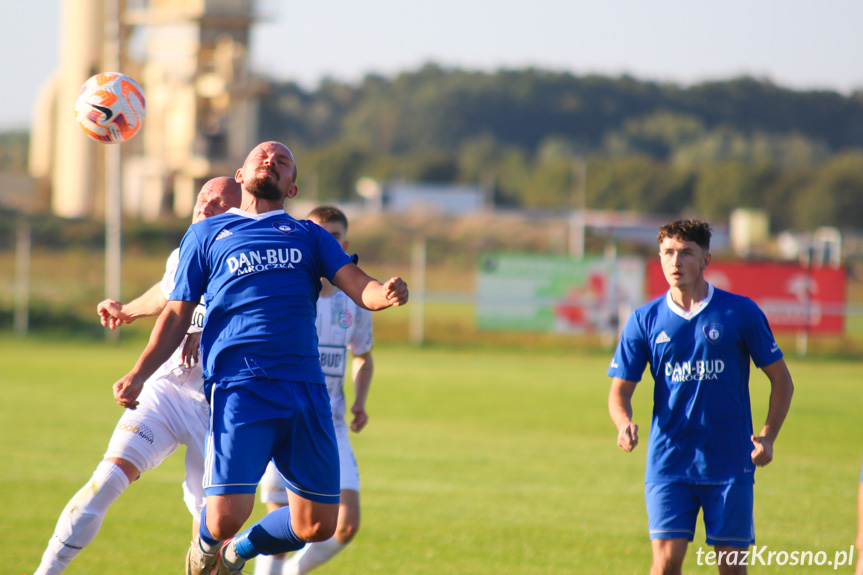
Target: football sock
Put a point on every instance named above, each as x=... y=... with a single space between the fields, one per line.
x=269 y=536
x=80 y=521
x=208 y=543
x=312 y=556
x=268 y=565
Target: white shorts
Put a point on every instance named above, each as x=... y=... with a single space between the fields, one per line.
x=273 y=487
x=168 y=415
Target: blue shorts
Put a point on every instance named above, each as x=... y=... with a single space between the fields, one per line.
x=672 y=510
x=257 y=420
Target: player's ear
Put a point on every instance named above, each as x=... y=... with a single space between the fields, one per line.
x=292 y=192
x=239 y=176
x=345 y=245
x=708 y=257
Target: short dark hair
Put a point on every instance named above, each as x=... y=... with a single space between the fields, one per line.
x=687 y=230
x=327 y=214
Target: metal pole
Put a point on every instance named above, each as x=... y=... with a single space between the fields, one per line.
x=416 y=327
x=577 y=221
x=609 y=332
x=803 y=333
x=113 y=223
x=22 y=279
x=113 y=170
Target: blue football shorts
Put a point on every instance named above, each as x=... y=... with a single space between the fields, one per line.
x=672 y=510
x=289 y=422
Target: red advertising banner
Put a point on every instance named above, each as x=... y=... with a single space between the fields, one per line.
x=790 y=295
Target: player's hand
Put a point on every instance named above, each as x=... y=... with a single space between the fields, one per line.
x=627 y=437
x=127 y=390
x=111 y=313
x=763 y=452
x=395 y=291
x=191 y=350
x=361 y=418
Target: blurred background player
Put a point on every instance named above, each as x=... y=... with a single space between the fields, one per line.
x=172 y=411
x=342 y=326
x=702 y=451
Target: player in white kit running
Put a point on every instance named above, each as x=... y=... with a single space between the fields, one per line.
x=173 y=411
x=342 y=326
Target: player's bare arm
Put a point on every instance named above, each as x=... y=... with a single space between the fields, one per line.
x=369 y=293
x=362 y=369
x=781 y=391
x=166 y=336
x=114 y=313
x=620 y=410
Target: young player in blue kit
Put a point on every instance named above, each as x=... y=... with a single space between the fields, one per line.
x=702 y=452
x=259 y=271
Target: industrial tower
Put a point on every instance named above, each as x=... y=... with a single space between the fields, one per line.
x=191 y=58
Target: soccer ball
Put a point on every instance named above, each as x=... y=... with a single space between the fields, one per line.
x=110 y=107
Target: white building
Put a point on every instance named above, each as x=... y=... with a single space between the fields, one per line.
x=429 y=198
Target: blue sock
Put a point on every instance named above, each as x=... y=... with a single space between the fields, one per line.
x=207 y=540
x=269 y=536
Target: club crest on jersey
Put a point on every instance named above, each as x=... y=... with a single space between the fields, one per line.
x=713 y=332
x=346 y=319
x=284 y=227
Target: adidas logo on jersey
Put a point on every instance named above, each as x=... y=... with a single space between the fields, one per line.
x=223 y=234
x=662 y=338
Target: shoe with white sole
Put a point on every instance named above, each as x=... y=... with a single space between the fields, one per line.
x=198 y=562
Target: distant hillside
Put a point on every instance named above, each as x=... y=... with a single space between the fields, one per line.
x=646 y=146
x=553 y=140
x=435 y=109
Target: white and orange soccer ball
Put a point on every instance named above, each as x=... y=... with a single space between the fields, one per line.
x=110 y=107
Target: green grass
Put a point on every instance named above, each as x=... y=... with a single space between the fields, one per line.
x=475 y=461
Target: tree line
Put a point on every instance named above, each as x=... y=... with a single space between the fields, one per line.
x=530 y=136
x=653 y=147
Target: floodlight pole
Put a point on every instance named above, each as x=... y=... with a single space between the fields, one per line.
x=113 y=171
x=113 y=223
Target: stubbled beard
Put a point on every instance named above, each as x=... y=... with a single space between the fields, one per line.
x=265 y=189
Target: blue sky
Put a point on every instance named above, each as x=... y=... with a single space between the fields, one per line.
x=795 y=43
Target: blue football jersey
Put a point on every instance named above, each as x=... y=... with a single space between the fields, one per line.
x=702 y=419
x=259 y=275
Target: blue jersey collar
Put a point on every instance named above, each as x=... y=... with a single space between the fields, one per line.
x=251 y=216
x=687 y=315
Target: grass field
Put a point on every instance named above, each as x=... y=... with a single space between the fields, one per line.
x=476 y=461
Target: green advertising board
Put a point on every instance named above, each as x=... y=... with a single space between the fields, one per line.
x=558 y=294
